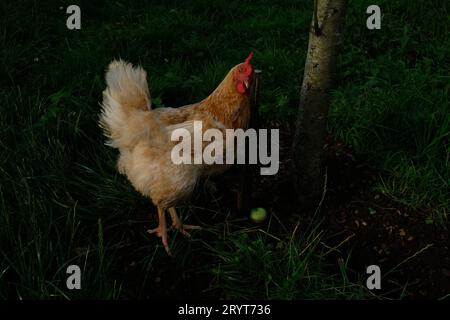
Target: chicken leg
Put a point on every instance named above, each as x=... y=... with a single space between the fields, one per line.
x=161 y=230
x=177 y=224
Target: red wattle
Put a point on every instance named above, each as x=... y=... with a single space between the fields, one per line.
x=240 y=87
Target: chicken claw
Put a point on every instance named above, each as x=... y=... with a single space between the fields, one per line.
x=177 y=224
x=183 y=227
x=161 y=230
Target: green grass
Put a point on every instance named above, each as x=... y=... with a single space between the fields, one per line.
x=396 y=107
x=254 y=264
x=62 y=202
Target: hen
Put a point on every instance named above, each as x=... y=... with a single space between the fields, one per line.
x=143 y=134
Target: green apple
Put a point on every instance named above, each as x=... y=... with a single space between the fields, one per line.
x=258 y=214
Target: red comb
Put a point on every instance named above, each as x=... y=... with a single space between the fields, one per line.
x=250 y=56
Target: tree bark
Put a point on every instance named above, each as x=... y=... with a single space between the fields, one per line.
x=311 y=125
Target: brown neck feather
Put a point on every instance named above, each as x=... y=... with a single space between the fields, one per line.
x=227 y=105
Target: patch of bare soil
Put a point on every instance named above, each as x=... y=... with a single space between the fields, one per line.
x=411 y=253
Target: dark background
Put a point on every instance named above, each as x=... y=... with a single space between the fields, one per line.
x=387 y=198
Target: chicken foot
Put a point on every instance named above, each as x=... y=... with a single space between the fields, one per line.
x=177 y=224
x=161 y=230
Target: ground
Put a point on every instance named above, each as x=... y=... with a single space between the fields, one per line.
x=363 y=227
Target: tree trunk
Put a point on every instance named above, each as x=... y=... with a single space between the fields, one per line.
x=311 y=125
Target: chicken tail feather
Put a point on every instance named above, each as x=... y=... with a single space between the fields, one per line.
x=125 y=101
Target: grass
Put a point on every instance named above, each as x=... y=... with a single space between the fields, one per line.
x=262 y=266
x=395 y=110
x=62 y=202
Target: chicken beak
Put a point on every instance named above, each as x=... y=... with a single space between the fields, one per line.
x=246 y=83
